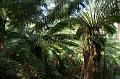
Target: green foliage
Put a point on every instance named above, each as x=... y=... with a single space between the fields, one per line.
x=23 y=44
x=110 y=59
x=37 y=46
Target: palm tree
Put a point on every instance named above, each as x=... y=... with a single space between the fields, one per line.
x=25 y=47
x=96 y=21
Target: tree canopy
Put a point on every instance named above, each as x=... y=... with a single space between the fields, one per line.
x=59 y=39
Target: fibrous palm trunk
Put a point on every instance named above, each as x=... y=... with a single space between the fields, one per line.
x=1 y=43
x=91 y=53
x=2 y=32
x=86 y=56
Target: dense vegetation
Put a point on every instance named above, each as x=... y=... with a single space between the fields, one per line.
x=59 y=39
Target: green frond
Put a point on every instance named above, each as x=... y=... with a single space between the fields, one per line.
x=79 y=32
x=109 y=28
x=37 y=64
x=9 y=66
x=66 y=48
x=58 y=27
x=69 y=43
x=55 y=49
x=64 y=36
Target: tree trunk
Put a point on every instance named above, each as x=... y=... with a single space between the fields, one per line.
x=2 y=31
x=91 y=53
x=1 y=43
x=86 y=57
x=91 y=66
